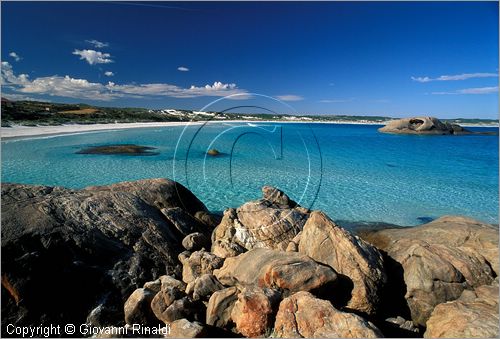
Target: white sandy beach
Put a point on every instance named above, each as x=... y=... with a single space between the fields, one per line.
x=19 y=131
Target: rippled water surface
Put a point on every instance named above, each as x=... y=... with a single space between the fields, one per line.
x=352 y=172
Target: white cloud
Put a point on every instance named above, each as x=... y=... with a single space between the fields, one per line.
x=456 y=77
x=9 y=78
x=109 y=73
x=83 y=89
x=93 y=57
x=15 y=56
x=97 y=44
x=183 y=69
x=289 y=97
x=477 y=90
x=331 y=101
x=20 y=97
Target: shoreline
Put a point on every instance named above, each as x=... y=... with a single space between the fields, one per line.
x=18 y=132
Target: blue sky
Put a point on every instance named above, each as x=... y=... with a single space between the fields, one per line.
x=387 y=58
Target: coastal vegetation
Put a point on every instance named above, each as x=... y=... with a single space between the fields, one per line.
x=38 y=113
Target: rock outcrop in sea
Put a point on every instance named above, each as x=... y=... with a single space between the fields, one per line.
x=149 y=252
x=423 y=125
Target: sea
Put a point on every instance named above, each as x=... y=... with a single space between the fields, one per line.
x=350 y=171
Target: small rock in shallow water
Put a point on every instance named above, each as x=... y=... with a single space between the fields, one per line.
x=213 y=152
x=127 y=149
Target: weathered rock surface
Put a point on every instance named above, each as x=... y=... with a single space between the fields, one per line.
x=196 y=241
x=137 y=308
x=327 y=243
x=436 y=262
x=211 y=220
x=293 y=245
x=181 y=308
x=304 y=316
x=286 y=271
x=270 y=222
x=183 y=328
x=472 y=316
x=403 y=324
x=422 y=125
x=203 y=286
x=103 y=242
x=198 y=263
x=220 y=305
x=163 y=300
x=254 y=311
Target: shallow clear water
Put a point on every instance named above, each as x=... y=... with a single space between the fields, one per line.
x=352 y=172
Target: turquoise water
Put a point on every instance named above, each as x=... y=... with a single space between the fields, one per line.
x=352 y=172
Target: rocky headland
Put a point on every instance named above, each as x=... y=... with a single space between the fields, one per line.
x=426 y=126
x=149 y=252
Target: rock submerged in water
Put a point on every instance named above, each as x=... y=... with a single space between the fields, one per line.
x=213 y=152
x=126 y=149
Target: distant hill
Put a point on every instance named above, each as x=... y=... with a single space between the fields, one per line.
x=31 y=113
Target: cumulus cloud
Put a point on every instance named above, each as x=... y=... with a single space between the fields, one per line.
x=456 y=77
x=183 y=69
x=19 y=97
x=83 y=89
x=109 y=73
x=93 y=57
x=9 y=78
x=15 y=56
x=289 y=97
x=97 y=44
x=476 y=90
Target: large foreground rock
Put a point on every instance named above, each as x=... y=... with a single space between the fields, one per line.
x=253 y=313
x=65 y=251
x=359 y=262
x=434 y=263
x=422 y=125
x=270 y=222
x=220 y=305
x=304 y=316
x=286 y=271
x=474 y=315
